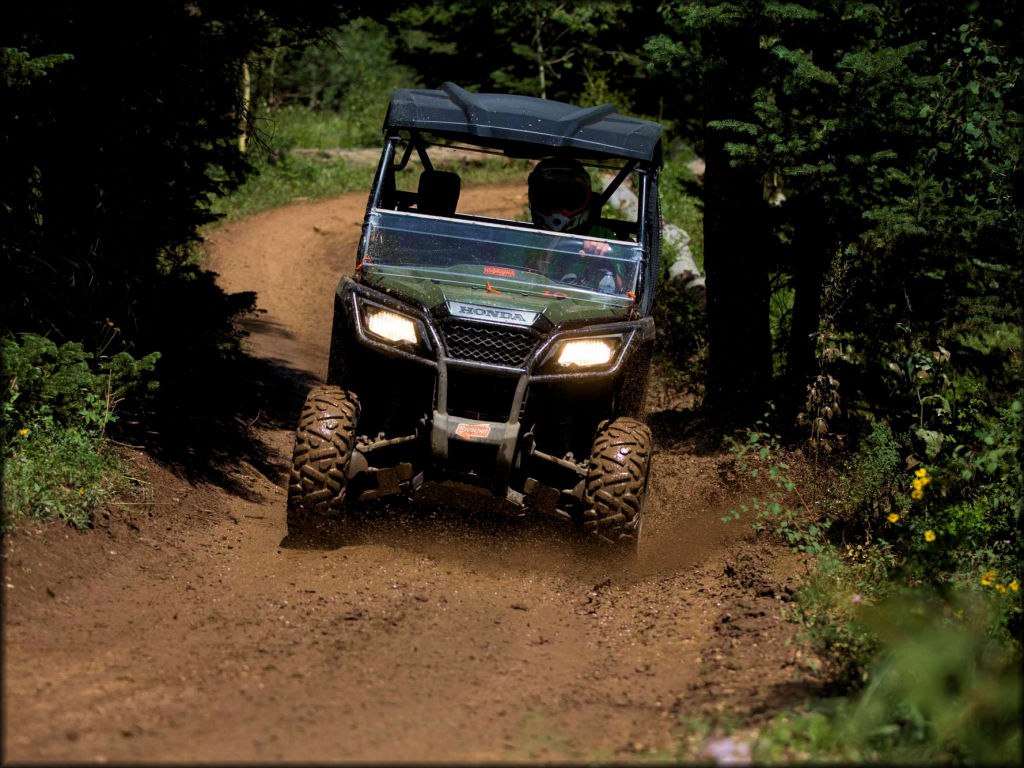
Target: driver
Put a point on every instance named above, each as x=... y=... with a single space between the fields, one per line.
x=561 y=200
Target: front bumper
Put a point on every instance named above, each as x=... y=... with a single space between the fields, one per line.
x=472 y=429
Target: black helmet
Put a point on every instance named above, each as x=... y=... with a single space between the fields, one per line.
x=559 y=195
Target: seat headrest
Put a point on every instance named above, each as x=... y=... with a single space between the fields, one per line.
x=438 y=192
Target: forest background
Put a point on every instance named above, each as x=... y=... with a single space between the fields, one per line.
x=858 y=219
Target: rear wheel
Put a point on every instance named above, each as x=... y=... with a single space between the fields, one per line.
x=324 y=441
x=616 y=488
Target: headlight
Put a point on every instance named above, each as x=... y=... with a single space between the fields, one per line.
x=390 y=326
x=586 y=352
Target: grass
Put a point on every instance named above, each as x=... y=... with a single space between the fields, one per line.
x=942 y=689
x=283 y=176
x=290 y=179
x=62 y=473
x=56 y=404
x=297 y=127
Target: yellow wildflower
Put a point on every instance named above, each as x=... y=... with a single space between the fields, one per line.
x=922 y=472
x=81 y=491
x=986 y=577
x=959 y=614
x=1013 y=585
x=918 y=485
x=917 y=493
x=929 y=535
x=22 y=432
x=893 y=517
x=1000 y=589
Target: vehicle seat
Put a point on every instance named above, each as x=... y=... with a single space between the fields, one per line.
x=438 y=192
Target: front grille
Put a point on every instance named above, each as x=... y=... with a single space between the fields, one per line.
x=480 y=395
x=482 y=343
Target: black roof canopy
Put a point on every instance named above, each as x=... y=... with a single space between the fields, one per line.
x=497 y=119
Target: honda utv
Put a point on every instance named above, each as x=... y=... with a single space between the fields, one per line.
x=491 y=355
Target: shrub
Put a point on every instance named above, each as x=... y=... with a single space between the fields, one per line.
x=281 y=179
x=871 y=488
x=943 y=687
x=57 y=472
x=57 y=402
x=782 y=511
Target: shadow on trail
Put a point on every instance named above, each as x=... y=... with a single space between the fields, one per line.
x=209 y=414
x=690 y=430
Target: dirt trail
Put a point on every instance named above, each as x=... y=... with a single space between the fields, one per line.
x=187 y=632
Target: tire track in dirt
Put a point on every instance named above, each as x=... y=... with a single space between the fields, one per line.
x=190 y=634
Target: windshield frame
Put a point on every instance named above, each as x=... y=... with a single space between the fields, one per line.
x=644 y=230
x=513 y=256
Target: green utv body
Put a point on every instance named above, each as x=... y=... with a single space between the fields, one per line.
x=490 y=353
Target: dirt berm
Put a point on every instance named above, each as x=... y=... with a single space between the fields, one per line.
x=183 y=628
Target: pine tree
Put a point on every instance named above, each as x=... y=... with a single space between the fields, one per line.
x=892 y=132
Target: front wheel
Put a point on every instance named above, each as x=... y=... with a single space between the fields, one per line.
x=618 y=475
x=324 y=441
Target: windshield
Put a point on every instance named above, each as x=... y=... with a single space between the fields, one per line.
x=499 y=258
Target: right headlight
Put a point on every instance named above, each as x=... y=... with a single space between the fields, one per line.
x=585 y=353
x=390 y=325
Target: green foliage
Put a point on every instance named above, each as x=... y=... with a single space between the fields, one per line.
x=297 y=127
x=951 y=524
x=679 y=312
x=761 y=455
x=347 y=75
x=549 y=38
x=44 y=380
x=780 y=320
x=895 y=145
x=118 y=128
x=681 y=323
x=288 y=178
x=680 y=205
x=873 y=487
x=57 y=403
x=826 y=608
x=54 y=472
x=943 y=689
x=283 y=177
x=588 y=52
x=18 y=68
x=894 y=134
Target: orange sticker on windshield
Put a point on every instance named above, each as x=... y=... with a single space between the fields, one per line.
x=473 y=431
x=500 y=271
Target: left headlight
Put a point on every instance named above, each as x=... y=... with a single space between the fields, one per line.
x=390 y=326
x=585 y=352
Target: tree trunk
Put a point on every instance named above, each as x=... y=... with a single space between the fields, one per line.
x=735 y=262
x=538 y=26
x=812 y=251
x=243 y=122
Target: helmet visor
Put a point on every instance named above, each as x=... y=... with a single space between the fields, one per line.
x=558 y=192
